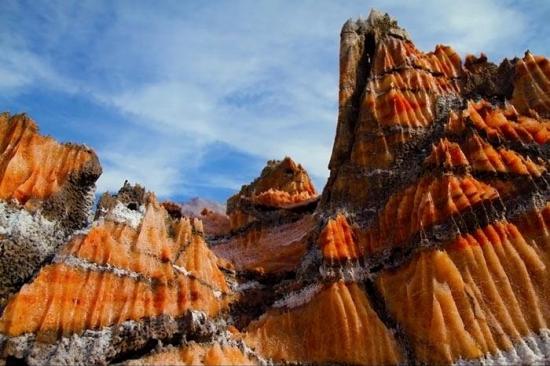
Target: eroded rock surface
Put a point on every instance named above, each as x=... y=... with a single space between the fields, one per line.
x=429 y=244
x=46 y=193
x=137 y=275
x=437 y=196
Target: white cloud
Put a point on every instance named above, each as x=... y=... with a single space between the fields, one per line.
x=158 y=162
x=260 y=77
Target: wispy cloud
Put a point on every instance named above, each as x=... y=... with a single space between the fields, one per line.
x=255 y=77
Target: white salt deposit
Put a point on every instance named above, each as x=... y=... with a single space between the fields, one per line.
x=299 y=298
x=123 y=215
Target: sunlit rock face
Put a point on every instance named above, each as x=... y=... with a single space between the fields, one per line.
x=282 y=184
x=430 y=242
x=438 y=194
x=271 y=219
x=46 y=193
x=135 y=275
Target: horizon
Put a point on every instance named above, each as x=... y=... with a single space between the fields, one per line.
x=192 y=108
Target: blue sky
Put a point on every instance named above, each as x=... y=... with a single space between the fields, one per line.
x=191 y=98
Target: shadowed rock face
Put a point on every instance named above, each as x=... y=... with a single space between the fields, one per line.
x=46 y=193
x=430 y=243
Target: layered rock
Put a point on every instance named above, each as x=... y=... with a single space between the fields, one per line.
x=429 y=244
x=46 y=194
x=270 y=220
x=333 y=323
x=136 y=276
x=283 y=184
x=196 y=354
x=437 y=196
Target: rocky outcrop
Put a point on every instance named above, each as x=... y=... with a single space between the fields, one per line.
x=282 y=186
x=215 y=222
x=270 y=220
x=135 y=276
x=437 y=196
x=46 y=193
x=428 y=245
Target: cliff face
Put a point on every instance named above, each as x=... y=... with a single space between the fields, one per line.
x=429 y=244
x=438 y=194
x=136 y=275
x=46 y=193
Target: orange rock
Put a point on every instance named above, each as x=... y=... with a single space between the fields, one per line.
x=430 y=201
x=394 y=53
x=196 y=354
x=447 y=154
x=481 y=295
x=413 y=79
x=267 y=249
x=485 y=157
x=481 y=157
x=410 y=109
x=506 y=124
x=46 y=193
x=532 y=85
x=337 y=240
x=338 y=324
x=281 y=184
x=121 y=270
x=34 y=166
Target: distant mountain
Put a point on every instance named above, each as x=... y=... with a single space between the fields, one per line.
x=196 y=205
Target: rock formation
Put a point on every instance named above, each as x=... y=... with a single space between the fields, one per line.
x=437 y=196
x=212 y=215
x=270 y=220
x=46 y=193
x=430 y=242
x=135 y=276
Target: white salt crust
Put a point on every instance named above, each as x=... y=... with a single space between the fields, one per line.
x=123 y=215
x=182 y=270
x=18 y=222
x=219 y=335
x=81 y=263
x=531 y=350
x=73 y=261
x=298 y=298
x=247 y=286
x=26 y=241
x=349 y=272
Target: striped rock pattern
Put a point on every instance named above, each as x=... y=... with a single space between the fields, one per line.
x=270 y=220
x=438 y=197
x=135 y=265
x=46 y=193
x=430 y=243
x=196 y=354
x=283 y=184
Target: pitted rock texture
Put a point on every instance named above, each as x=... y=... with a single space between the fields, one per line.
x=430 y=243
x=134 y=264
x=46 y=193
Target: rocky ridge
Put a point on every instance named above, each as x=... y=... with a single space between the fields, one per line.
x=429 y=243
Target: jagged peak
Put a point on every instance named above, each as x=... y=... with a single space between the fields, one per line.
x=281 y=182
x=378 y=23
